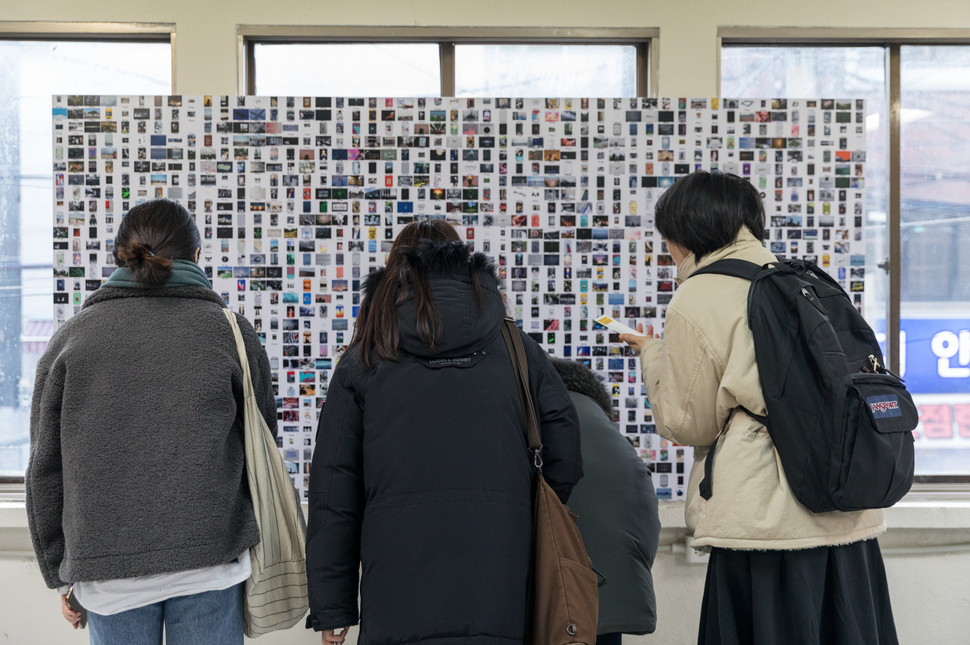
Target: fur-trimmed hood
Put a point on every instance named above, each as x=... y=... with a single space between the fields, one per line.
x=438 y=257
x=449 y=266
x=579 y=378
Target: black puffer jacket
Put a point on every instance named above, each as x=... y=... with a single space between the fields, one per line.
x=422 y=475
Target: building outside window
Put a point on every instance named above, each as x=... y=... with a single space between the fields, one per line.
x=935 y=235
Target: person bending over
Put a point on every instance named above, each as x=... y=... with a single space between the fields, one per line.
x=617 y=509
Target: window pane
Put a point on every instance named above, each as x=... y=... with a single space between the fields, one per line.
x=839 y=73
x=545 y=70
x=935 y=308
x=30 y=73
x=830 y=72
x=372 y=69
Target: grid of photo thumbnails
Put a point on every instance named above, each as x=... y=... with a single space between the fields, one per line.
x=299 y=198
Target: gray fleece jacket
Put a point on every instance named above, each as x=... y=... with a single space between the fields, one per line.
x=137 y=458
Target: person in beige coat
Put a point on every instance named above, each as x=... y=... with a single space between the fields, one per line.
x=778 y=573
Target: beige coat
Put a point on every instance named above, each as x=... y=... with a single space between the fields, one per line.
x=696 y=377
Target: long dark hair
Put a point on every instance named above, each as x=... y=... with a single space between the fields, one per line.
x=705 y=211
x=152 y=236
x=405 y=275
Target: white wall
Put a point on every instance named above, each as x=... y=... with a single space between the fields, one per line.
x=929 y=595
x=930 y=591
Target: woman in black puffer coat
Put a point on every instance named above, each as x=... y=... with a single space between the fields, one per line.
x=421 y=471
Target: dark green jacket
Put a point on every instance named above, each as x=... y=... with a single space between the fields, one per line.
x=617 y=509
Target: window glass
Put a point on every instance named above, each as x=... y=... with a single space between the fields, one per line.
x=545 y=70
x=836 y=73
x=935 y=209
x=31 y=72
x=365 y=69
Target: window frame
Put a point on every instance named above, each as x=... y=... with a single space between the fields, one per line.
x=124 y=32
x=645 y=40
x=12 y=488
x=891 y=40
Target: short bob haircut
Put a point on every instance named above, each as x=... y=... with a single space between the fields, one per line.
x=704 y=211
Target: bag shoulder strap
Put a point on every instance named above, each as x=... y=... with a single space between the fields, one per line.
x=731 y=267
x=743 y=270
x=248 y=389
x=520 y=365
x=253 y=419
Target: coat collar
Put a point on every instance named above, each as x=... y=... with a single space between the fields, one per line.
x=744 y=241
x=105 y=293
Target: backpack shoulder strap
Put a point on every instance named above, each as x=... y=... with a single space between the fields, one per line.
x=745 y=271
x=706 y=486
x=731 y=267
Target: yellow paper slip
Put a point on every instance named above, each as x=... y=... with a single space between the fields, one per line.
x=617 y=327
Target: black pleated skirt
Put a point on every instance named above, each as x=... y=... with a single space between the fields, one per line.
x=834 y=595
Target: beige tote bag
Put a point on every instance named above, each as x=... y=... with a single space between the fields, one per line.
x=276 y=593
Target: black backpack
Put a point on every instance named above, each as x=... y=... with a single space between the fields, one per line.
x=841 y=422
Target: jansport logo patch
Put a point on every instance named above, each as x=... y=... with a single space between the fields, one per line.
x=884 y=406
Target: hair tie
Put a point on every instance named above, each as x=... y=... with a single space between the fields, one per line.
x=151 y=254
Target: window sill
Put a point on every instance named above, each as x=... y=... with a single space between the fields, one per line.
x=907 y=514
x=918 y=520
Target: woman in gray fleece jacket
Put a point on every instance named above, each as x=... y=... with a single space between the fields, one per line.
x=136 y=487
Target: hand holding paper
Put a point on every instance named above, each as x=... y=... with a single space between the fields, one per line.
x=634 y=338
x=617 y=327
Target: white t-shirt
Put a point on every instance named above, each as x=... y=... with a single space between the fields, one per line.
x=107 y=597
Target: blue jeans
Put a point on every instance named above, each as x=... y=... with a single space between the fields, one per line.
x=208 y=618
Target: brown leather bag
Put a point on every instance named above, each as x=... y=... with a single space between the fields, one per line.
x=565 y=594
